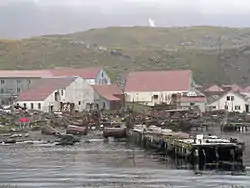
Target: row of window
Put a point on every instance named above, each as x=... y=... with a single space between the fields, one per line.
x=230 y=98
x=18 y=90
x=156 y=97
x=236 y=107
x=31 y=105
x=18 y=81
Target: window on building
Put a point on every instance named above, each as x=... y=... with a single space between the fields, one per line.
x=32 y=105
x=62 y=92
x=29 y=81
x=155 y=97
x=2 y=91
x=214 y=107
x=192 y=104
x=228 y=98
x=18 y=90
x=57 y=94
x=2 y=81
x=237 y=107
x=79 y=103
x=24 y=105
x=232 y=98
x=18 y=81
x=39 y=106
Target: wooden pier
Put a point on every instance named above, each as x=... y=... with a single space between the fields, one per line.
x=240 y=127
x=201 y=151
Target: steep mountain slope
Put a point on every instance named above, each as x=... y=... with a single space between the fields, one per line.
x=216 y=54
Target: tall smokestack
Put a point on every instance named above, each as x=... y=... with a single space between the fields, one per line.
x=151 y=22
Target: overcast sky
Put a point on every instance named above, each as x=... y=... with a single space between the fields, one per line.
x=204 y=6
x=38 y=17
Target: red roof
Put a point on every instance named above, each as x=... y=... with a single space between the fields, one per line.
x=143 y=81
x=81 y=72
x=108 y=91
x=246 y=89
x=214 y=88
x=236 y=88
x=25 y=73
x=193 y=99
x=45 y=87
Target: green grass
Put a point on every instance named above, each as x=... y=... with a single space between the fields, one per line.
x=139 y=48
x=7 y=129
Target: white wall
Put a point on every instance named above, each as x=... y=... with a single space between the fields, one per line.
x=100 y=101
x=91 y=81
x=147 y=97
x=35 y=104
x=80 y=93
x=237 y=101
x=45 y=105
x=50 y=101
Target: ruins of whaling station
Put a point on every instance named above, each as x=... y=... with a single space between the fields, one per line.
x=149 y=110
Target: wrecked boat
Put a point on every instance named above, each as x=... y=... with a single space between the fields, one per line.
x=114 y=132
x=9 y=141
x=48 y=130
x=76 y=130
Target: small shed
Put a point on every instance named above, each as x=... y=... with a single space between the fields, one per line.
x=108 y=97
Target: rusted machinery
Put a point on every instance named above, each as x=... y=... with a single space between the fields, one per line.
x=76 y=130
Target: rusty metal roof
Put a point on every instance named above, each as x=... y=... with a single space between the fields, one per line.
x=146 y=81
x=87 y=73
x=25 y=73
x=108 y=92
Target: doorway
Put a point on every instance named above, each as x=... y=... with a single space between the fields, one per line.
x=51 y=108
x=247 y=108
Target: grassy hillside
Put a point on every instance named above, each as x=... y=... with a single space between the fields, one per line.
x=215 y=54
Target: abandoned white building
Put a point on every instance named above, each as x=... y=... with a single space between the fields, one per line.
x=58 y=94
x=14 y=82
x=155 y=87
x=230 y=101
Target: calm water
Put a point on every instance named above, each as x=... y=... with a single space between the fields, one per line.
x=99 y=164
